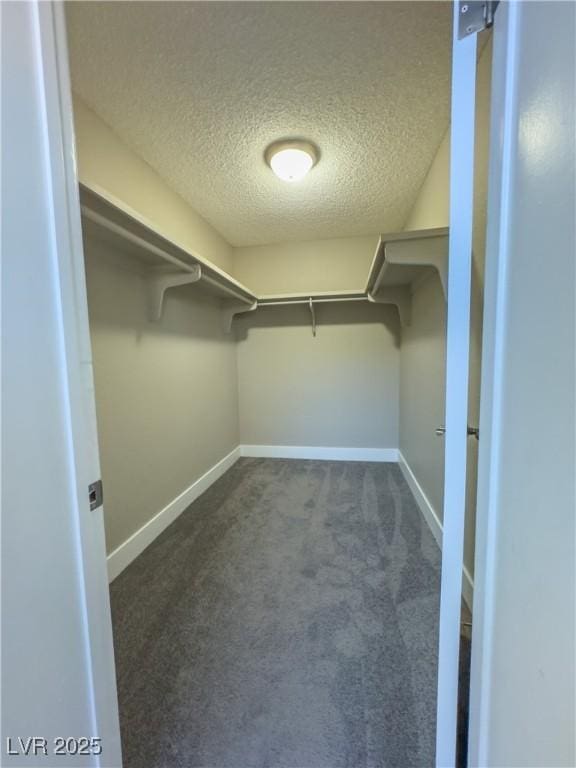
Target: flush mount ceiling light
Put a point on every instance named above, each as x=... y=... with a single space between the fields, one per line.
x=291 y=159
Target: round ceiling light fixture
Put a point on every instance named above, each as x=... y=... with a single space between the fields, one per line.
x=291 y=159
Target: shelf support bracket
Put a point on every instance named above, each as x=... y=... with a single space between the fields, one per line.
x=428 y=252
x=159 y=284
x=397 y=295
x=231 y=310
x=313 y=313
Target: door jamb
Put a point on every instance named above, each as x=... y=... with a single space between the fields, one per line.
x=502 y=151
x=59 y=133
x=462 y=131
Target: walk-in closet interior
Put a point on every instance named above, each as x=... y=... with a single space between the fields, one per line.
x=269 y=365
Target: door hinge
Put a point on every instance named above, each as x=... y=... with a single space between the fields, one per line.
x=474 y=16
x=95 y=494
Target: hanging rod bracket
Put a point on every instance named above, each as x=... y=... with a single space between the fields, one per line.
x=158 y=285
x=428 y=252
x=313 y=313
x=399 y=296
x=232 y=309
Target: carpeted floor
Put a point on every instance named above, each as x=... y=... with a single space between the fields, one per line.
x=288 y=619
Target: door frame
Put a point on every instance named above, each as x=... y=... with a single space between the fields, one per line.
x=46 y=99
x=502 y=152
x=504 y=101
x=462 y=156
x=522 y=677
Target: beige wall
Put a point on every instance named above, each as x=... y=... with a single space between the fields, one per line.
x=105 y=161
x=315 y=265
x=423 y=350
x=339 y=388
x=423 y=389
x=166 y=393
x=432 y=206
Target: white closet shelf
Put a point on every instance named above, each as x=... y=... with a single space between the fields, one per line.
x=166 y=264
x=402 y=259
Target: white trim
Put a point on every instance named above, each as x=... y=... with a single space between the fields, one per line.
x=51 y=103
x=428 y=511
x=434 y=523
x=123 y=555
x=326 y=453
x=457 y=357
x=503 y=151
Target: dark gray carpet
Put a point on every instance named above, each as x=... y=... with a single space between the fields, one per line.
x=288 y=619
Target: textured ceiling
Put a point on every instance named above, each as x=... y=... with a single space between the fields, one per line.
x=200 y=89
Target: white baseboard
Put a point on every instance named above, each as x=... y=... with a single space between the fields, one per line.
x=327 y=453
x=121 y=557
x=426 y=507
x=431 y=517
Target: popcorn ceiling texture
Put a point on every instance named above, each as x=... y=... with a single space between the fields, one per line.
x=200 y=89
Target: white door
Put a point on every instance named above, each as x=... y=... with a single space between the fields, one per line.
x=457 y=365
x=59 y=704
x=523 y=677
x=522 y=690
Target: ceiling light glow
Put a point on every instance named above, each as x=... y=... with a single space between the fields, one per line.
x=291 y=160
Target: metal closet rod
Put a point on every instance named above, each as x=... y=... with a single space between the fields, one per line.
x=311 y=298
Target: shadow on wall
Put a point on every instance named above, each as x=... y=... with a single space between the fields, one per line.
x=345 y=313
x=118 y=298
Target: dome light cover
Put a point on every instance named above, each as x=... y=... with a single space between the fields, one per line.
x=291 y=159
